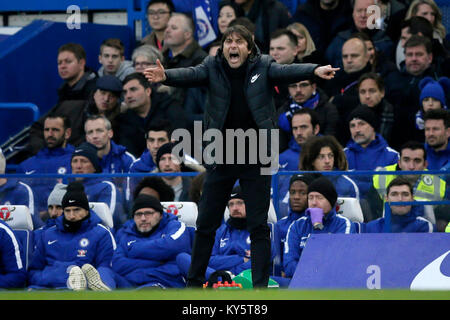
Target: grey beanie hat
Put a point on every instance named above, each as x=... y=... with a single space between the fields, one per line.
x=58 y=192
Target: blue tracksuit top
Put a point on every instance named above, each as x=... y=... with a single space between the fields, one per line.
x=58 y=249
x=281 y=229
x=301 y=229
x=118 y=160
x=12 y=267
x=103 y=190
x=49 y=161
x=410 y=222
x=144 y=163
x=144 y=260
x=437 y=159
x=46 y=161
x=37 y=233
x=376 y=154
x=290 y=158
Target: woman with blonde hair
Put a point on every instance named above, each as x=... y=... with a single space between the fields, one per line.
x=430 y=11
x=305 y=42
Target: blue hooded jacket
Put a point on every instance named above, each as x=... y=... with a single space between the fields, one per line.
x=300 y=231
x=147 y=260
x=12 y=267
x=437 y=160
x=118 y=160
x=376 y=154
x=58 y=249
x=411 y=222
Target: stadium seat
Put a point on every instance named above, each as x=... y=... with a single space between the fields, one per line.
x=20 y=220
x=350 y=208
x=272 y=216
x=101 y=209
x=186 y=211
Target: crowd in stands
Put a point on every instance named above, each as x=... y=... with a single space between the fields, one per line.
x=385 y=110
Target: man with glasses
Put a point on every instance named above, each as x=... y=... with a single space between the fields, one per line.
x=147 y=247
x=158 y=14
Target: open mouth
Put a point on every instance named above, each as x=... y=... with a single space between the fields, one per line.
x=234 y=57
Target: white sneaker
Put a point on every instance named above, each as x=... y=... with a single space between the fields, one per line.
x=94 y=281
x=76 y=280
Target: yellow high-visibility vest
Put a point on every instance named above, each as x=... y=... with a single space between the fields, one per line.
x=430 y=187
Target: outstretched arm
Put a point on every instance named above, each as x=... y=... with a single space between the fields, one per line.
x=326 y=72
x=155 y=73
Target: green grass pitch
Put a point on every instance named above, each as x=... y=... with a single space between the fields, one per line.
x=189 y=294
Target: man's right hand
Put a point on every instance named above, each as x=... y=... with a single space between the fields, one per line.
x=155 y=73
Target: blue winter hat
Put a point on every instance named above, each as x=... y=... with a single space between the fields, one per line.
x=89 y=151
x=110 y=83
x=434 y=89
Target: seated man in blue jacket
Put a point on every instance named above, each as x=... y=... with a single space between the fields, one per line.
x=76 y=253
x=320 y=217
x=98 y=189
x=403 y=218
x=54 y=210
x=53 y=158
x=12 y=267
x=148 y=245
x=297 y=204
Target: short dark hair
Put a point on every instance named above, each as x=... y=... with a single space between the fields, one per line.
x=139 y=77
x=438 y=114
x=313 y=114
x=165 y=192
x=243 y=21
x=76 y=48
x=417 y=25
x=244 y=33
x=238 y=11
x=169 y=4
x=399 y=181
x=375 y=77
x=285 y=32
x=160 y=125
x=66 y=121
x=416 y=41
x=414 y=145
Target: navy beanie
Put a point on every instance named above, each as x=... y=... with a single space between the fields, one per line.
x=75 y=196
x=89 y=151
x=365 y=113
x=147 y=201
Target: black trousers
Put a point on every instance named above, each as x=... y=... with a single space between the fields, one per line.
x=217 y=188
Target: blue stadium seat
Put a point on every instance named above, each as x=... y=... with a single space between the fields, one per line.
x=186 y=211
x=20 y=221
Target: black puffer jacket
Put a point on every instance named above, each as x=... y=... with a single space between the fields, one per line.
x=262 y=73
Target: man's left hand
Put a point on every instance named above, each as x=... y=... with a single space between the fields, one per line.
x=326 y=72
